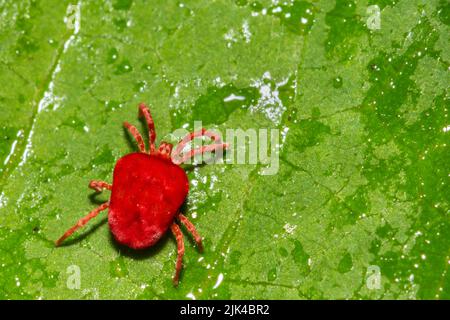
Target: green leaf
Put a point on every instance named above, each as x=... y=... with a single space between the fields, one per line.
x=363 y=176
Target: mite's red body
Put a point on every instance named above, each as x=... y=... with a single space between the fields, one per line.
x=148 y=190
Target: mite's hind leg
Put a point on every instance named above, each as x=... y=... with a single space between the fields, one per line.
x=180 y=251
x=99 y=186
x=191 y=228
x=82 y=222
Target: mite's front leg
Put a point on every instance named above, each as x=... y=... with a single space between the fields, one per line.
x=99 y=186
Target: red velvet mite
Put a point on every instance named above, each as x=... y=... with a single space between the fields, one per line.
x=148 y=189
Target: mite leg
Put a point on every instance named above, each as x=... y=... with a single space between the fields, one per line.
x=99 y=186
x=203 y=132
x=201 y=150
x=165 y=149
x=145 y=112
x=137 y=136
x=82 y=222
x=180 y=249
x=191 y=228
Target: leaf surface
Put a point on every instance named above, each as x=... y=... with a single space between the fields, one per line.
x=362 y=179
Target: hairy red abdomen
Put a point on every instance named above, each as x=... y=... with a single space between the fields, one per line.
x=147 y=192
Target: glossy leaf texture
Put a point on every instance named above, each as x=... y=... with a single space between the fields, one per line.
x=363 y=178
